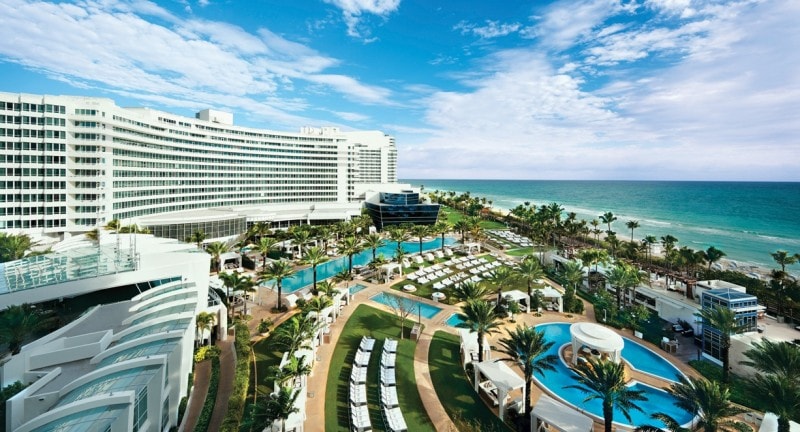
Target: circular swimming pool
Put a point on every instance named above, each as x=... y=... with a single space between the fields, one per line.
x=638 y=357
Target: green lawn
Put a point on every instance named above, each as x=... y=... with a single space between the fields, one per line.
x=452 y=387
x=524 y=251
x=267 y=355
x=452 y=215
x=368 y=321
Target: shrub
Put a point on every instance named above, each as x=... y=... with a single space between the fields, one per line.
x=264 y=325
x=206 y=352
x=241 y=380
x=211 y=398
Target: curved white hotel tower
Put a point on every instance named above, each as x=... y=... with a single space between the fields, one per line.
x=70 y=164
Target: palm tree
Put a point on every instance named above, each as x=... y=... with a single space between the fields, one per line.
x=314 y=257
x=18 y=322
x=317 y=304
x=277 y=406
x=709 y=402
x=608 y=218
x=527 y=348
x=113 y=225
x=300 y=236
x=622 y=277
x=373 y=241
x=776 y=358
x=197 y=237
x=632 y=225
x=295 y=368
x=480 y=317
x=216 y=249
x=259 y=230
x=572 y=273
x=278 y=271
x=467 y=291
x=712 y=255
x=264 y=246
x=420 y=231
x=14 y=246
x=327 y=287
x=204 y=321
x=723 y=321
x=778 y=396
x=529 y=271
x=462 y=226
x=350 y=246
x=605 y=380
x=296 y=334
x=442 y=227
x=783 y=259
x=233 y=282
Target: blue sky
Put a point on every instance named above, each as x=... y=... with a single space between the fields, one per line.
x=574 y=89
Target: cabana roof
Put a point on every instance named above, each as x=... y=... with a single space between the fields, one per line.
x=469 y=341
x=597 y=337
x=550 y=292
x=560 y=416
x=516 y=295
x=502 y=376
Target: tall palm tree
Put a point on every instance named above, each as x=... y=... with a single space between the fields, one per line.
x=722 y=320
x=18 y=322
x=296 y=334
x=373 y=242
x=467 y=291
x=778 y=396
x=420 y=231
x=529 y=271
x=317 y=304
x=198 y=237
x=526 y=347
x=605 y=380
x=442 y=227
x=776 y=358
x=783 y=258
x=327 y=287
x=113 y=225
x=608 y=218
x=314 y=257
x=301 y=236
x=706 y=400
x=233 y=282
x=15 y=246
x=216 y=249
x=622 y=277
x=350 y=246
x=295 y=368
x=632 y=225
x=204 y=321
x=712 y=255
x=264 y=246
x=498 y=279
x=480 y=317
x=572 y=273
x=277 y=406
x=462 y=226
x=277 y=271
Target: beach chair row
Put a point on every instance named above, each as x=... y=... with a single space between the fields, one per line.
x=390 y=407
x=359 y=413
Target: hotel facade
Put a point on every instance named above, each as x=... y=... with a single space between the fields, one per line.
x=71 y=164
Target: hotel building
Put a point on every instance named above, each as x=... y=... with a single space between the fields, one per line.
x=70 y=164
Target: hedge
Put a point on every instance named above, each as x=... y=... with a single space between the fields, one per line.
x=211 y=398
x=236 y=403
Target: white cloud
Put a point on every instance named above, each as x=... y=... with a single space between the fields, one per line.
x=353 y=12
x=351 y=117
x=566 y=22
x=492 y=29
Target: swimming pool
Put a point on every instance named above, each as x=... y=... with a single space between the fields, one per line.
x=356 y=288
x=454 y=320
x=657 y=399
x=305 y=277
x=425 y=310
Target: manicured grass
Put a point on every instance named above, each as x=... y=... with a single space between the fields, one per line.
x=454 y=216
x=525 y=251
x=452 y=387
x=368 y=321
x=713 y=372
x=267 y=355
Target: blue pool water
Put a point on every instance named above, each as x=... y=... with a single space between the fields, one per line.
x=657 y=399
x=425 y=310
x=356 y=288
x=644 y=360
x=305 y=277
x=454 y=320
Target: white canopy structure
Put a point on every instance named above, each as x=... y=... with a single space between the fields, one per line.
x=226 y=257
x=553 y=295
x=469 y=346
x=472 y=246
x=501 y=381
x=770 y=424
x=596 y=337
x=550 y=415
x=388 y=269
x=518 y=296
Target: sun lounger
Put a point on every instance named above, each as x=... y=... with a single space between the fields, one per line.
x=390 y=346
x=366 y=344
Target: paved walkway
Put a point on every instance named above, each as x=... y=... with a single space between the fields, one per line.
x=227 y=371
x=202 y=373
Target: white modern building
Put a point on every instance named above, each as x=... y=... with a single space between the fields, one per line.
x=70 y=164
x=121 y=366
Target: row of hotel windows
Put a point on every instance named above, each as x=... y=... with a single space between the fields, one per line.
x=240 y=157
x=35 y=146
x=140 y=193
x=315 y=174
x=32 y=172
x=27 y=211
x=48 y=185
x=261 y=146
x=228 y=165
x=32 y=133
x=239 y=183
x=191 y=206
x=38 y=121
x=31 y=107
x=33 y=197
x=288 y=196
x=34 y=159
x=36 y=223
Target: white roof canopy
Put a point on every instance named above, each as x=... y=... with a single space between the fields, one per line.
x=596 y=337
x=550 y=292
x=516 y=295
x=501 y=375
x=560 y=416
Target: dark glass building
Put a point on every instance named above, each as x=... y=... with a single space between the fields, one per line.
x=744 y=307
x=394 y=208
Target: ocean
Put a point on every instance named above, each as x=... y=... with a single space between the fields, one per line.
x=746 y=220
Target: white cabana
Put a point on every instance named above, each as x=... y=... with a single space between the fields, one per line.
x=770 y=424
x=469 y=346
x=388 y=269
x=291 y=299
x=595 y=337
x=501 y=380
x=550 y=415
x=472 y=246
x=518 y=296
x=552 y=295
x=226 y=257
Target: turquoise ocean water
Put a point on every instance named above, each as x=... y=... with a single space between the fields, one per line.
x=746 y=220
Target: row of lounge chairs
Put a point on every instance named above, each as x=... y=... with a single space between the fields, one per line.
x=359 y=413
x=390 y=408
x=512 y=237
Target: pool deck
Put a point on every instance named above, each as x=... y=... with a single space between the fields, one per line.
x=317 y=381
